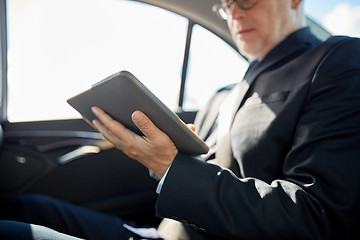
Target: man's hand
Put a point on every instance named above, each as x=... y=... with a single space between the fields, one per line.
x=155 y=150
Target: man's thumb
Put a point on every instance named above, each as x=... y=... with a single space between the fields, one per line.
x=144 y=124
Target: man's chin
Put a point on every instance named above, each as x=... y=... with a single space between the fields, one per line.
x=251 y=50
x=247 y=51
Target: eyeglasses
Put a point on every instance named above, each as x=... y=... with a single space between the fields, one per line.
x=224 y=9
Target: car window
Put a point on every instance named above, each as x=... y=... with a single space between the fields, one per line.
x=57 y=48
x=339 y=17
x=212 y=64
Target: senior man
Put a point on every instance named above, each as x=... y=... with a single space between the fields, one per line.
x=284 y=161
x=292 y=143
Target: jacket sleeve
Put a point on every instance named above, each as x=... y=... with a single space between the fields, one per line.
x=319 y=196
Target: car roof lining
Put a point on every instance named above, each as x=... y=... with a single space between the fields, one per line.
x=198 y=12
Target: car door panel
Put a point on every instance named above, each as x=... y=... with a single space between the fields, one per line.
x=105 y=180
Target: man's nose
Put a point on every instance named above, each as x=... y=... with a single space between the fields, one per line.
x=236 y=12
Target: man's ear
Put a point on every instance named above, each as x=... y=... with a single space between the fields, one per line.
x=296 y=3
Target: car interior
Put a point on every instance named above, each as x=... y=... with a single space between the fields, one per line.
x=66 y=158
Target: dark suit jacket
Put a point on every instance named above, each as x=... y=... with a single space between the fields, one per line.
x=296 y=147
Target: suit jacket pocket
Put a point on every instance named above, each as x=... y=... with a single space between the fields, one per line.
x=258 y=112
x=272 y=98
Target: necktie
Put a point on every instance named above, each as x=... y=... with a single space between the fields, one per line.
x=228 y=109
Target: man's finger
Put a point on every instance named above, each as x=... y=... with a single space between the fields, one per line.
x=110 y=128
x=191 y=126
x=107 y=121
x=146 y=126
x=105 y=132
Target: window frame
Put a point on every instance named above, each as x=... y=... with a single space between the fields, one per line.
x=3 y=61
x=185 y=64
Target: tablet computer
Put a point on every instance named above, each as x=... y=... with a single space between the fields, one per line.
x=121 y=94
